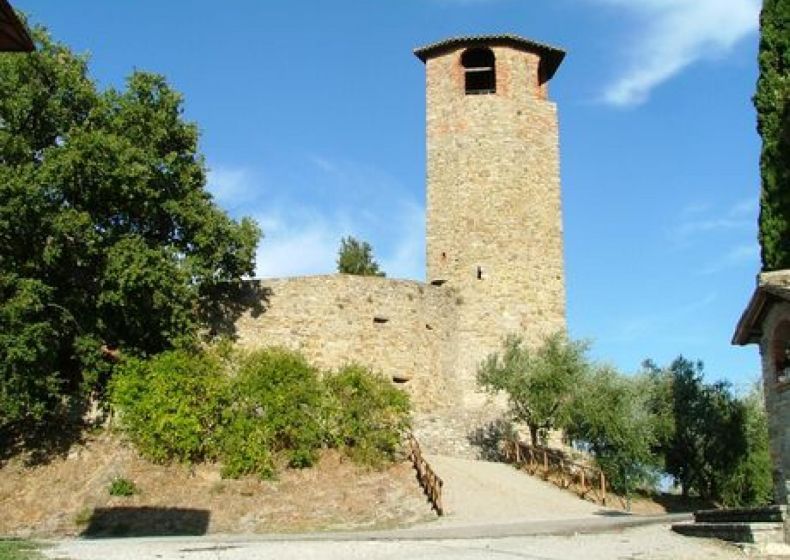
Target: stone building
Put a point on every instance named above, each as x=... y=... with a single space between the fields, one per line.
x=766 y=322
x=494 y=241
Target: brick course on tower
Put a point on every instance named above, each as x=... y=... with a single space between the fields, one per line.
x=494 y=242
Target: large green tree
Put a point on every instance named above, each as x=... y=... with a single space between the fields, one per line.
x=109 y=240
x=610 y=417
x=708 y=438
x=750 y=483
x=772 y=102
x=539 y=383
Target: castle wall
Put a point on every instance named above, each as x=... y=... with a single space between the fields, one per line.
x=403 y=329
x=493 y=202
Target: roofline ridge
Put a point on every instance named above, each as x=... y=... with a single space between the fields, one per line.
x=551 y=56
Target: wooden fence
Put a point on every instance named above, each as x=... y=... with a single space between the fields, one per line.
x=429 y=480
x=586 y=481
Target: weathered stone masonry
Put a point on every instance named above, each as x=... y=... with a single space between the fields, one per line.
x=766 y=321
x=494 y=239
x=402 y=328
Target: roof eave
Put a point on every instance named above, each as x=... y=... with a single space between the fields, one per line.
x=746 y=332
x=550 y=57
x=13 y=34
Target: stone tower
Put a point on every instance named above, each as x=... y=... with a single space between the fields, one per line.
x=494 y=224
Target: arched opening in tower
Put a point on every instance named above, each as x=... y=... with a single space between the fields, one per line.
x=480 y=71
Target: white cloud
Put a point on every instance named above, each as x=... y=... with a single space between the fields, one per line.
x=231 y=186
x=299 y=244
x=703 y=218
x=302 y=226
x=674 y=34
x=407 y=259
x=303 y=219
x=305 y=241
x=739 y=255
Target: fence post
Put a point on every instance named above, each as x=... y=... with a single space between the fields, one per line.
x=603 y=488
x=518 y=451
x=582 y=481
x=546 y=462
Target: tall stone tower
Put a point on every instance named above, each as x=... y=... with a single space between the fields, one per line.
x=494 y=224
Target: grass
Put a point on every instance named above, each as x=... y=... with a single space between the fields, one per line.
x=83 y=517
x=14 y=549
x=122 y=487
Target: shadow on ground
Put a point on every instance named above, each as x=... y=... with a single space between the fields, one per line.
x=488 y=439
x=146 y=522
x=612 y=513
x=674 y=503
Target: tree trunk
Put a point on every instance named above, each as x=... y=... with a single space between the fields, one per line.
x=533 y=434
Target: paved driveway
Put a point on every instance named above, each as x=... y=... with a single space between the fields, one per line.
x=653 y=542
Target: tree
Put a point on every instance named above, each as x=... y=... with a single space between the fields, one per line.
x=772 y=102
x=356 y=257
x=109 y=240
x=750 y=482
x=539 y=383
x=610 y=418
x=708 y=438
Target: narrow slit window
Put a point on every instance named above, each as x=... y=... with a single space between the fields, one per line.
x=479 y=70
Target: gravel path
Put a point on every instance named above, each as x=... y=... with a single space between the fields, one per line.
x=481 y=491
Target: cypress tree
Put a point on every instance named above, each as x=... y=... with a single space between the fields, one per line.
x=772 y=102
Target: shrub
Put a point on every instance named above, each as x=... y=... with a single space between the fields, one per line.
x=244 y=445
x=255 y=411
x=277 y=403
x=121 y=486
x=170 y=405
x=367 y=416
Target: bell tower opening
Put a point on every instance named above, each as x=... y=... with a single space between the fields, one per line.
x=480 y=70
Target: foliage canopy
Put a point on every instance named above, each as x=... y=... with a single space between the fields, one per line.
x=715 y=440
x=356 y=257
x=108 y=238
x=257 y=411
x=539 y=383
x=772 y=102
x=610 y=419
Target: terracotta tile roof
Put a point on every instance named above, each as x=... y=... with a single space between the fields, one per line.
x=772 y=288
x=13 y=35
x=551 y=57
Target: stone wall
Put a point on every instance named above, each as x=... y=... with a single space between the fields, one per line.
x=403 y=329
x=777 y=402
x=494 y=228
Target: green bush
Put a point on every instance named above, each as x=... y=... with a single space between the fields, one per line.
x=277 y=399
x=123 y=487
x=256 y=411
x=170 y=405
x=367 y=415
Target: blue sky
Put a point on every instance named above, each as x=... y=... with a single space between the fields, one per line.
x=312 y=120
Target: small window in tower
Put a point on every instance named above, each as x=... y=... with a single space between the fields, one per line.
x=480 y=71
x=479 y=272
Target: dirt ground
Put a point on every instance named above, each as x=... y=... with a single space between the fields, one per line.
x=70 y=496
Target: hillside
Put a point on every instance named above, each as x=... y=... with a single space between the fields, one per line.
x=69 y=496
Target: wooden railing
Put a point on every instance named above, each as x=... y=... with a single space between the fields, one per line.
x=586 y=481
x=429 y=480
